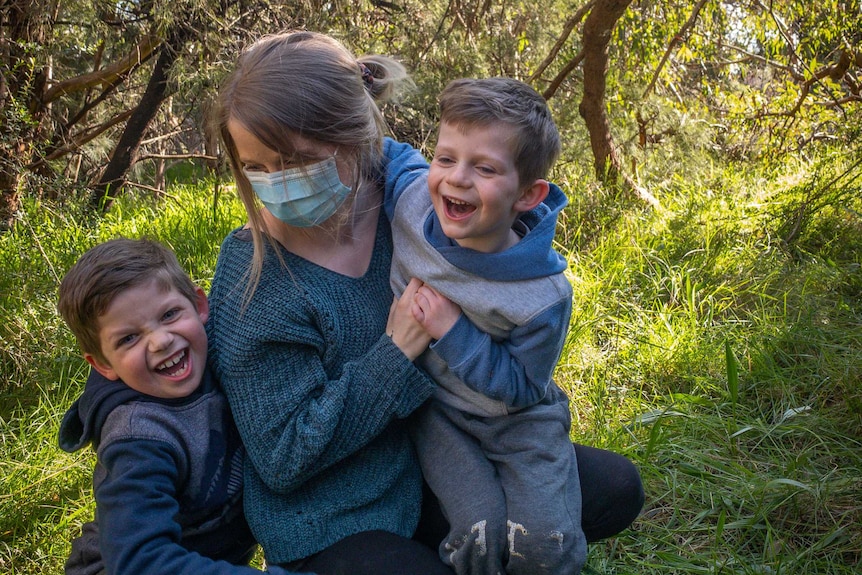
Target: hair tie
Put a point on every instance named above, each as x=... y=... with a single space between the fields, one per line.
x=367 y=76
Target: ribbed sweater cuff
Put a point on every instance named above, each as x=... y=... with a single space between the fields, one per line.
x=408 y=386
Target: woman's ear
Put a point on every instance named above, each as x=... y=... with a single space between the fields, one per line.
x=532 y=196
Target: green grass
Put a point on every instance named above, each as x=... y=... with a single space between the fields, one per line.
x=45 y=493
x=716 y=341
x=727 y=361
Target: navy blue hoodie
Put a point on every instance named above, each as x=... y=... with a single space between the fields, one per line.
x=167 y=482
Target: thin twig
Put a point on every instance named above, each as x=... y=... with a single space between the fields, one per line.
x=41 y=250
x=673 y=43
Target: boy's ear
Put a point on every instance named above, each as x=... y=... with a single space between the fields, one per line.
x=202 y=304
x=532 y=196
x=102 y=367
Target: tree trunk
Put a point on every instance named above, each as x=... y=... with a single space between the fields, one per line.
x=24 y=23
x=114 y=176
x=598 y=28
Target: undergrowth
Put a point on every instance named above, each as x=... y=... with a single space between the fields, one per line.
x=716 y=341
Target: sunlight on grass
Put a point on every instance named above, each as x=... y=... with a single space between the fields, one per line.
x=748 y=469
x=718 y=352
x=44 y=492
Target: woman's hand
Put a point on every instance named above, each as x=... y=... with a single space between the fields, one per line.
x=406 y=332
x=434 y=312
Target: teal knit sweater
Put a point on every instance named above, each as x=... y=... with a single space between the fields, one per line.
x=319 y=394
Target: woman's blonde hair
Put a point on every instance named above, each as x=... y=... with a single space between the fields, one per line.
x=309 y=85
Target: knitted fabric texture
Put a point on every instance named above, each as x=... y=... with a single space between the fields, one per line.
x=319 y=394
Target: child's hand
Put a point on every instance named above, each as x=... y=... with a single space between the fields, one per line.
x=436 y=313
x=406 y=332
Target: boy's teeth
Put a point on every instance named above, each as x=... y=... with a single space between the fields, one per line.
x=171 y=362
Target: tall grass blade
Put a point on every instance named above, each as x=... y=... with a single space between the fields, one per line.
x=732 y=373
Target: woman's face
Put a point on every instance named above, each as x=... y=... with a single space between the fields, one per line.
x=254 y=155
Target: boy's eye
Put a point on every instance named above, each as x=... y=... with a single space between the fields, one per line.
x=487 y=170
x=170 y=314
x=125 y=340
x=443 y=160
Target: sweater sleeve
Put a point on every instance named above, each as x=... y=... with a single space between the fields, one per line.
x=136 y=506
x=296 y=423
x=516 y=371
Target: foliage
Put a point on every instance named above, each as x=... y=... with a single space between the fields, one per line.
x=768 y=77
x=715 y=340
x=762 y=79
x=722 y=358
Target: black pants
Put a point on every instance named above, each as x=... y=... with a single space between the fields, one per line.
x=612 y=498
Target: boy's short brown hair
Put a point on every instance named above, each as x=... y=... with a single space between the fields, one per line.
x=481 y=102
x=107 y=269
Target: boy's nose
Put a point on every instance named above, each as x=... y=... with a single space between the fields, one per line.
x=160 y=340
x=459 y=176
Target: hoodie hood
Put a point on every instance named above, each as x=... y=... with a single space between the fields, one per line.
x=82 y=424
x=532 y=257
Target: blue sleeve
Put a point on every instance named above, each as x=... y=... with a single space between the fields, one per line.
x=516 y=371
x=135 y=508
x=403 y=164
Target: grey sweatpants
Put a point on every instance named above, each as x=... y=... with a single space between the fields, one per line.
x=508 y=486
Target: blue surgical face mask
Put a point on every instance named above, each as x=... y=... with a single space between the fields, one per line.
x=303 y=197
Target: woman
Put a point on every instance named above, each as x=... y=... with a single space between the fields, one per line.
x=314 y=357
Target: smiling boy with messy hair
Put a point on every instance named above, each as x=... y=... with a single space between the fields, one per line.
x=168 y=477
x=476 y=227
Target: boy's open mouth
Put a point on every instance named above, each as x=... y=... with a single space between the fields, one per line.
x=458 y=209
x=175 y=365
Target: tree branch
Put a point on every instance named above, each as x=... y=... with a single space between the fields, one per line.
x=175 y=157
x=82 y=138
x=673 y=43
x=562 y=75
x=833 y=71
x=436 y=35
x=597 y=32
x=772 y=63
x=789 y=40
x=156 y=191
x=142 y=52
x=561 y=41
